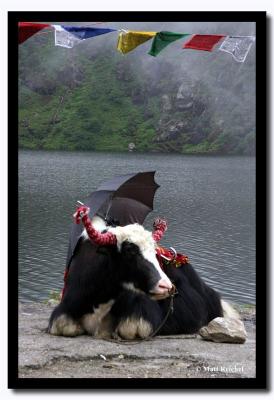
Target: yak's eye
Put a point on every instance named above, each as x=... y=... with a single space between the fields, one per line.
x=129 y=249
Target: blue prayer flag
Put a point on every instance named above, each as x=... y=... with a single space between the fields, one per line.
x=86 y=32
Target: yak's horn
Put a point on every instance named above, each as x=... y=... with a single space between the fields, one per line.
x=102 y=239
x=160 y=226
x=99 y=238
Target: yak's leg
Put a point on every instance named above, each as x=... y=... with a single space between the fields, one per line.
x=132 y=327
x=98 y=323
x=61 y=324
x=135 y=315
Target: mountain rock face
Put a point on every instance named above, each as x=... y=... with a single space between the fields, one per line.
x=93 y=98
x=175 y=110
x=186 y=118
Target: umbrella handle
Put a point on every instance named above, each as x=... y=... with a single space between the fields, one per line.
x=109 y=206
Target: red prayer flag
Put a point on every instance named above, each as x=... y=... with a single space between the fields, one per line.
x=203 y=42
x=28 y=29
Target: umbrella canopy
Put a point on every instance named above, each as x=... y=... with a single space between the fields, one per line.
x=125 y=199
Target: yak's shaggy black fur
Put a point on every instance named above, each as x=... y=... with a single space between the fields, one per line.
x=195 y=305
x=99 y=274
x=96 y=275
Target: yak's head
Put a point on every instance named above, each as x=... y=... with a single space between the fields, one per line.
x=138 y=265
x=141 y=270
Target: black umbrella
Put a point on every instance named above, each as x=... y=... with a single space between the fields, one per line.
x=123 y=200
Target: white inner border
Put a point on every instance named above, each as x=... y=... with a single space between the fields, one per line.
x=107 y=5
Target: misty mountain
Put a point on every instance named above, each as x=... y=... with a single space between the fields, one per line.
x=92 y=97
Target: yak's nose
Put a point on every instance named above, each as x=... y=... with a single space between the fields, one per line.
x=164 y=284
x=162 y=287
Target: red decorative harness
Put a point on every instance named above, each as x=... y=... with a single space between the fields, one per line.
x=166 y=256
x=170 y=257
x=65 y=283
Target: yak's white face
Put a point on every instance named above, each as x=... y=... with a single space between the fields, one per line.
x=143 y=239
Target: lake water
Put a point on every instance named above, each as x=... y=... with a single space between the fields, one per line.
x=209 y=203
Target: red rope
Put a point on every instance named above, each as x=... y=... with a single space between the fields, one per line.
x=102 y=239
x=160 y=226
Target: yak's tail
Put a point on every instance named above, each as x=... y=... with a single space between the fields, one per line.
x=229 y=311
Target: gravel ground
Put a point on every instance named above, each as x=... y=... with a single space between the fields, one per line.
x=182 y=356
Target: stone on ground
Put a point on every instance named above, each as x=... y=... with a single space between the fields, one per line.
x=224 y=330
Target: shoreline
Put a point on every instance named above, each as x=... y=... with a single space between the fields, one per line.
x=177 y=356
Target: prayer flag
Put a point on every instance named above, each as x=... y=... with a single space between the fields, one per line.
x=69 y=36
x=28 y=29
x=163 y=39
x=237 y=46
x=128 y=40
x=63 y=38
x=86 y=32
x=203 y=42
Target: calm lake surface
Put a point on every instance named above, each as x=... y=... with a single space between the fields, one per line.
x=209 y=203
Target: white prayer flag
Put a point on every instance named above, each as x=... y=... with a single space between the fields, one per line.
x=64 y=38
x=237 y=46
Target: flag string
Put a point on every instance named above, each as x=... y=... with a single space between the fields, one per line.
x=68 y=36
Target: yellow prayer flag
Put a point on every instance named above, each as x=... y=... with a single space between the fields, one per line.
x=128 y=40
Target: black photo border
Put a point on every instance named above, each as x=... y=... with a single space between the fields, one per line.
x=262 y=372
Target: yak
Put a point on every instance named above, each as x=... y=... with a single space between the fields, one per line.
x=116 y=287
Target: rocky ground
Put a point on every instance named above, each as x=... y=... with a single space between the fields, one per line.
x=182 y=356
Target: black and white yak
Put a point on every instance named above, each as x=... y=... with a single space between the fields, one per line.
x=120 y=289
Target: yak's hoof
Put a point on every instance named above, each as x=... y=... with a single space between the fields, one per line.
x=65 y=326
x=132 y=328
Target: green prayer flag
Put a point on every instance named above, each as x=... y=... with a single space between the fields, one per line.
x=163 y=39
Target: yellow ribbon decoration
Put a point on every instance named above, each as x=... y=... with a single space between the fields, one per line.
x=128 y=40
